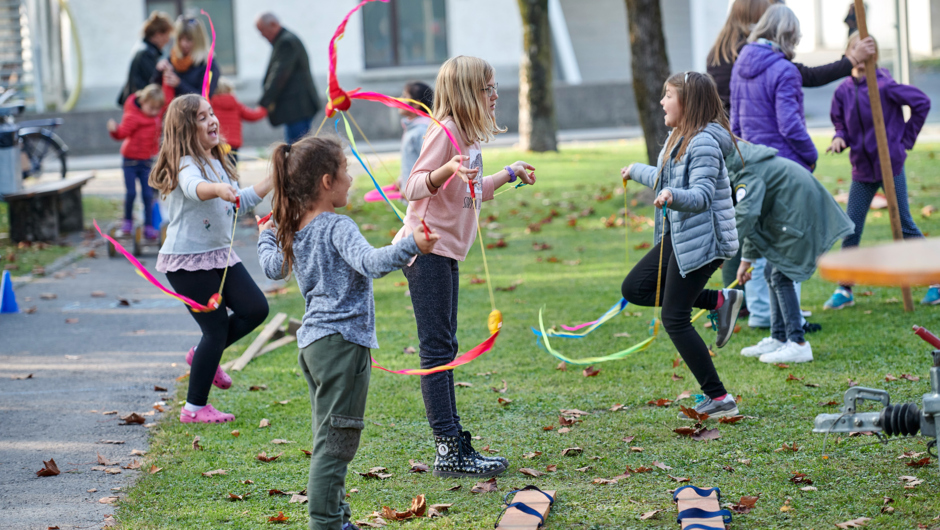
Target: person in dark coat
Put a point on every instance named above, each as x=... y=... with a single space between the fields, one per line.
x=188 y=58
x=156 y=33
x=289 y=93
x=742 y=18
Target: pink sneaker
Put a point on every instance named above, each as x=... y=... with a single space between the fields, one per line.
x=221 y=380
x=206 y=414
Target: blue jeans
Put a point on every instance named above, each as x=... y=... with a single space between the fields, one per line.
x=757 y=297
x=296 y=130
x=860 y=197
x=786 y=320
x=134 y=171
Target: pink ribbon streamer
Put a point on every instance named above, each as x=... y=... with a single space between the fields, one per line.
x=207 y=78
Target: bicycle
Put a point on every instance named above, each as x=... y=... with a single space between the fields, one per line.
x=38 y=141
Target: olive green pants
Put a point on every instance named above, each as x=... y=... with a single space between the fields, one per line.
x=337 y=374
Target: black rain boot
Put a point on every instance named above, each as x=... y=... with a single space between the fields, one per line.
x=468 y=448
x=453 y=461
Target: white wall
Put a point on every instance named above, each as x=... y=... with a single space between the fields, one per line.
x=108 y=44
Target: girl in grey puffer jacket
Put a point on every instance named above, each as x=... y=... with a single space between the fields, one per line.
x=697 y=232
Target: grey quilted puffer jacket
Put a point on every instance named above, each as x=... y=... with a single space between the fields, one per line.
x=701 y=217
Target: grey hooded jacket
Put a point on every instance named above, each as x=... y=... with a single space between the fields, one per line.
x=701 y=217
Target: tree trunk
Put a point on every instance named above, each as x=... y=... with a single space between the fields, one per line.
x=536 y=95
x=650 y=70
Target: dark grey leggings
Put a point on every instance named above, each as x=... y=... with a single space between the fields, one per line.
x=434 y=282
x=219 y=329
x=786 y=319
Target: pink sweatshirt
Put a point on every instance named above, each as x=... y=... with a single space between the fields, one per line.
x=448 y=211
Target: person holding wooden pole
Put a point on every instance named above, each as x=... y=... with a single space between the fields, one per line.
x=850 y=107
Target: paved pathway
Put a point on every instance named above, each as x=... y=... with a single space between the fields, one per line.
x=109 y=359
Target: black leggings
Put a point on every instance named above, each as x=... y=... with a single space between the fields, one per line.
x=219 y=329
x=678 y=296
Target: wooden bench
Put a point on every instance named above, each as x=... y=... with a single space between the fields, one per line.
x=45 y=211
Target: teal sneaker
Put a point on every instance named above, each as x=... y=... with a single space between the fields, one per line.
x=932 y=297
x=839 y=299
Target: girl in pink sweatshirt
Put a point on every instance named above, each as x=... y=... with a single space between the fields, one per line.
x=465 y=103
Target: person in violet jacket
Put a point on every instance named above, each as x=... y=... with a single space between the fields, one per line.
x=766 y=93
x=852 y=117
x=743 y=15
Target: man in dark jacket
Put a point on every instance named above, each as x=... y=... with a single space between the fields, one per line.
x=156 y=33
x=289 y=93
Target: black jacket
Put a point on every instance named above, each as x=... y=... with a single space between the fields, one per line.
x=143 y=68
x=813 y=76
x=289 y=92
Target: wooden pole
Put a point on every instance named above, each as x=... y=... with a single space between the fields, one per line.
x=884 y=157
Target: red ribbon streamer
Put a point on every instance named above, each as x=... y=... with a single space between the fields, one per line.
x=484 y=347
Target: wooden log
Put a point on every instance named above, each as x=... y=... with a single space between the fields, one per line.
x=884 y=156
x=273 y=345
x=259 y=342
x=293 y=325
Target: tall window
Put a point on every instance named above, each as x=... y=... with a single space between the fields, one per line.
x=222 y=17
x=404 y=33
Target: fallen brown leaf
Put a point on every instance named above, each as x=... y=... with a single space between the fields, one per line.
x=628 y=439
x=854 y=523
x=889 y=378
x=705 y=434
x=463 y=384
x=616 y=407
x=306 y=452
x=257 y=388
x=636 y=449
x=649 y=515
x=485 y=487
x=274 y=492
x=133 y=419
x=564 y=430
x=548 y=427
x=746 y=504
x=263 y=457
x=693 y=414
x=504 y=401
x=919 y=463
x=196 y=446
x=235 y=433
x=800 y=478
x=584 y=469
x=500 y=390
x=532 y=454
x=679 y=479
x=297 y=498
x=604 y=481
x=551 y=468
x=215 y=472
x=279 y=518
x=455 y=488
x=377 y=472
x=233 y=497
x=531 y=472
x=104 y=461
x=264 y=423
x=135 y=464
x=731 y=419
x=418 y=467
x=661 y=402
x=154 y=469
x=910 y=377
x=409 y=350
x=785 y=447
x=562 y=366
x=590 y=371
x=572 y=451
x=50 y=469
x=684 y=395
x=108 y=500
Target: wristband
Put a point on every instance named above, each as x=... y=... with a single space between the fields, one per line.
x=512 y=174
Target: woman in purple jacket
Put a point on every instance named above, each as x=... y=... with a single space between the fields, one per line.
x=851 y=115
x=766 y=89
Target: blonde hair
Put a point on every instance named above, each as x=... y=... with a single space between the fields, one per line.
x=180 y=138
x=297 y=172
x=224 y=86
x=460 y=94
x=193 y=29
x=152 y=93
x=158 y=22
x=853 y=40
x=744 y=14
x=699 y=105
x=780 y=26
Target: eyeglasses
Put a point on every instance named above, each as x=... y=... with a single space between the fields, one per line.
x=491 y=90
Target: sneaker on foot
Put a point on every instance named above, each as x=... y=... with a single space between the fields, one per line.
x=766 y=345
x=932 y=297
x=151 y=232
x=206 y=414
x=790 y=353
x=452 y=460
x=839 y=299
x=127 y=226
x=221 y=379
x=715 y=409
x=728 y=315
x=467 y=439
x=811 y=327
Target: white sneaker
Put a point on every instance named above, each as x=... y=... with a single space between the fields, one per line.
x=791 y=352
x=766 y=345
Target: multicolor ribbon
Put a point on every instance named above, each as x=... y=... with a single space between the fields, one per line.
x=207 y=78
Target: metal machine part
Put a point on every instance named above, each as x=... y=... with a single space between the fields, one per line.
x=894 y=420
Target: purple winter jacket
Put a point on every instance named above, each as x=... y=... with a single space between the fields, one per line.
x=767 y=103
x=852 y=118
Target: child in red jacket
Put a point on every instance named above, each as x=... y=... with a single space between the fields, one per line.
x=230 y=113
x=140 y=128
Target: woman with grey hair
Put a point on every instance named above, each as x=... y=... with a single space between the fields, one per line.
x=766 y=89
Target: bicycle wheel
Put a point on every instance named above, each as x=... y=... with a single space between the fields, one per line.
x=36 y=151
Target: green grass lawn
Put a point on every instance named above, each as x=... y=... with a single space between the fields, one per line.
x=863 y=344
x=22 y=259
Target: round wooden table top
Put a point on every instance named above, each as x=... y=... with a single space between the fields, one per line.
x=903 y=263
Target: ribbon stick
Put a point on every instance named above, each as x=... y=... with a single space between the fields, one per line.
x=615 y=310
x=145 y=274
x=540 y=333
x=486 y=346
x=352 y=146
x=207 y=78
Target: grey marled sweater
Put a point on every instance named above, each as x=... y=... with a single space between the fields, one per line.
x=334 y=266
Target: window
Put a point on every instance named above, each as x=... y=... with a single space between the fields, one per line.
x=404 y=33
x=222 y=16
